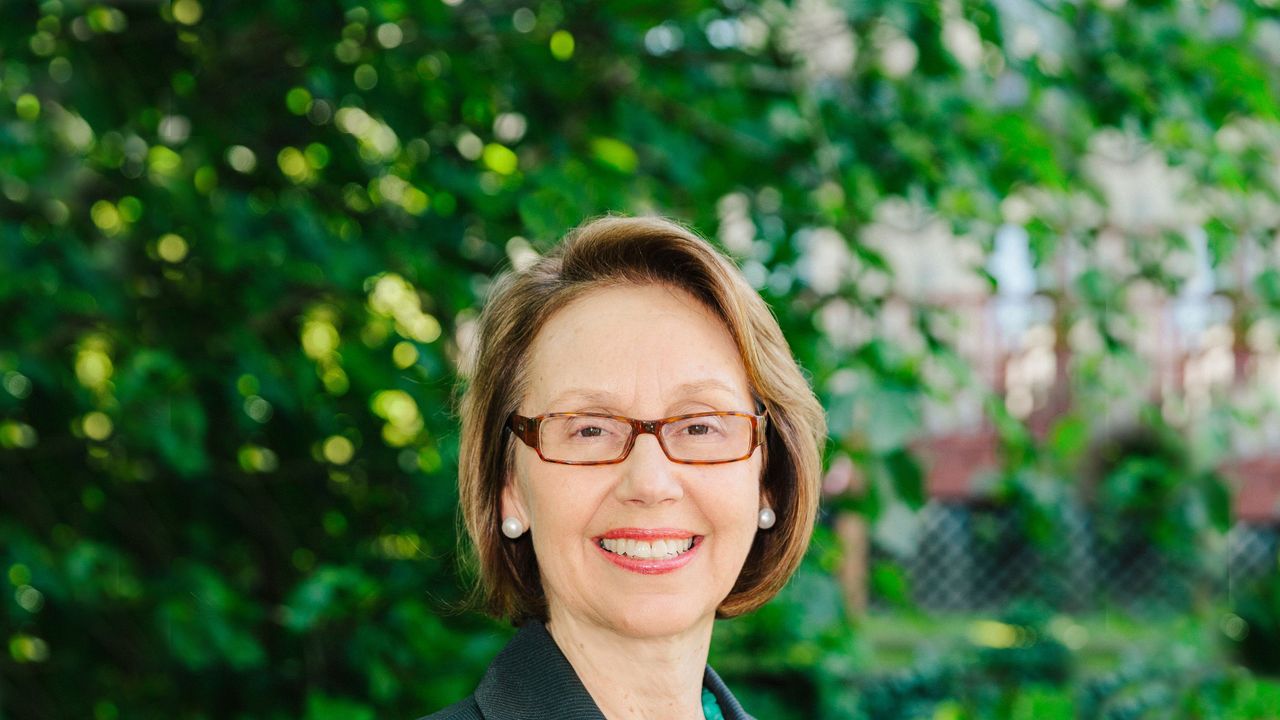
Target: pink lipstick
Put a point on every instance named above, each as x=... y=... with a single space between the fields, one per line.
x=649 y=551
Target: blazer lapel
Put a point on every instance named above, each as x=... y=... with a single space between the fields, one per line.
x=531 y=679
x=729 y=706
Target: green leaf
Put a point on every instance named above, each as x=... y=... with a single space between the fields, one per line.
x=615 y=153
x=324 y=707
x=1069 y=437
x=907 y=476
x=329 y=592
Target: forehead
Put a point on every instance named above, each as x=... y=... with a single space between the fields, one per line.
x=634 y=346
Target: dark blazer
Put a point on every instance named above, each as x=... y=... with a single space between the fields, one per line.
x=532 y=680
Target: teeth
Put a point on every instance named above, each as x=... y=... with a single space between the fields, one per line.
x=658 y=549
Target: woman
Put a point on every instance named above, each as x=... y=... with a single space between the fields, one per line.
x=640 y=455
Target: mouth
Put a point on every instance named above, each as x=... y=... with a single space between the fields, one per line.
x=649 y=552
x=647 y=549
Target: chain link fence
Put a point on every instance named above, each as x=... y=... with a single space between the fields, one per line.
x=972 y=558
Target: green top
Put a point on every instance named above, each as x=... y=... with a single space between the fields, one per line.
x=710 y=708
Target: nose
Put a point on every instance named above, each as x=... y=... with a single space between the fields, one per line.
x=648 y=476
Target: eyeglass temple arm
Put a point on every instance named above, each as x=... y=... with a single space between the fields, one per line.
x=524 y=428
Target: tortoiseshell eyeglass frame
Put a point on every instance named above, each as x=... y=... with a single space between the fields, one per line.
x=526 y=428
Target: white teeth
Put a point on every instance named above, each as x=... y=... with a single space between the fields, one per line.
x=658 y=549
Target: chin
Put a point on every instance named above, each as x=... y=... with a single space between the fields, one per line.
x=656 y=616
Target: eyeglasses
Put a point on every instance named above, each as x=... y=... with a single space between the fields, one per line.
x=706 y=438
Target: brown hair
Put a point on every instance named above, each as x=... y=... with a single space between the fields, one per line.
x=605 y=252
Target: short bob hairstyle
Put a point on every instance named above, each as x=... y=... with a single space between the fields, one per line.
x=608 y=252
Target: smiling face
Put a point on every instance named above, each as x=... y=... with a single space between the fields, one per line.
x=645 y=352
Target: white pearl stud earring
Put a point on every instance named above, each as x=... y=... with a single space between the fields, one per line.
x=512 y=528
x=766 y=518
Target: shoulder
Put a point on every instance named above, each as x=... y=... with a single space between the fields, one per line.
x=465 y=709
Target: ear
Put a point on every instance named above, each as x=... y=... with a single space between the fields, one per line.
x=512 y=501
x=765 y=500
x=766 y=496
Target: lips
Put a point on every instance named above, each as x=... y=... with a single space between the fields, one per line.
x=649 y=551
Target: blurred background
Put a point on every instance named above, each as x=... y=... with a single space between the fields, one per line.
x=1025 y=249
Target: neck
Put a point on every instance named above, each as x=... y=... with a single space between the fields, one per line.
x=636 y=678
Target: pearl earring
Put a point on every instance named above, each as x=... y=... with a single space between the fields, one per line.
x=766 y=518
x=512 y=528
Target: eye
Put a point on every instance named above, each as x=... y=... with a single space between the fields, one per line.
x=587 y=428
x=701 y=427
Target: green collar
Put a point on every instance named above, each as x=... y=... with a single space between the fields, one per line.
x=710 y=708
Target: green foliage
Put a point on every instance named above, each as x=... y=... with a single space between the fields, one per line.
x=1148 y=490
x=1160 y=676
x=1252 y=631
x=1011 y=668
x=1035 y=656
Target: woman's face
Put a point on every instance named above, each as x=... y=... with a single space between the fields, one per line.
x=645 y=352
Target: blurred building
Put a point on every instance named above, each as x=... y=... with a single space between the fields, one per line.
x=1207 y=355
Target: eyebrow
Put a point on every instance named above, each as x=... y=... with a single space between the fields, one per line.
x=607 y=398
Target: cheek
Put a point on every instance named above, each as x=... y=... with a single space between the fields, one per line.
x=734 y=502
x=561 y=509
